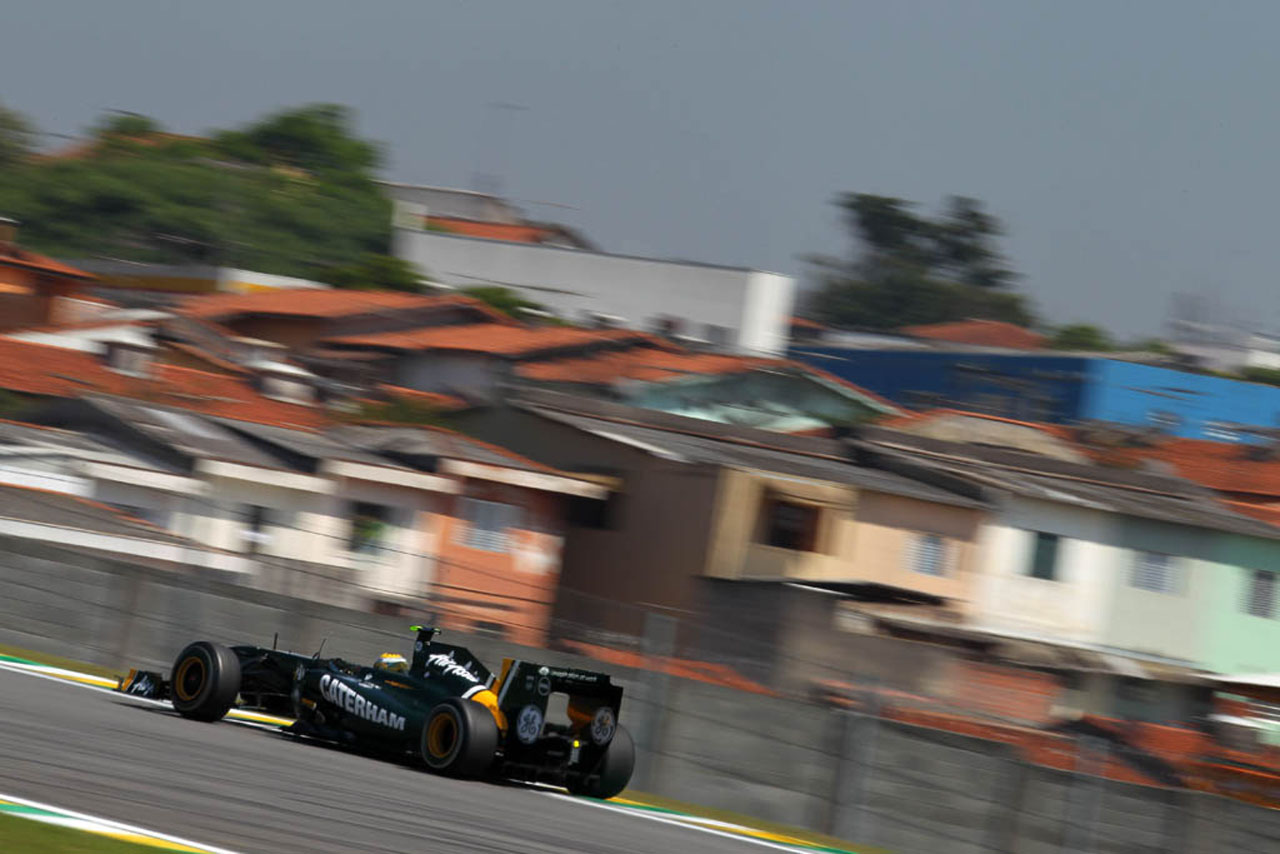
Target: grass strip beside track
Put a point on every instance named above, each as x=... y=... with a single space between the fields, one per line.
x=21 y=836
x=29 y=656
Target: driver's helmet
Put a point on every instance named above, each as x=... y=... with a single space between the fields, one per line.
x=392 y=662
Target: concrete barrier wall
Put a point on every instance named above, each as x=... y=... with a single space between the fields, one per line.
x=874 y=781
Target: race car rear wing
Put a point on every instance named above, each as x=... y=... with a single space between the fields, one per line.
x=593 y=699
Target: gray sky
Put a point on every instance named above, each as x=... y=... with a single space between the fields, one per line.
x=1127 y=145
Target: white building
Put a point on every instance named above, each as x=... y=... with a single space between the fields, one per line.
x=731 y=308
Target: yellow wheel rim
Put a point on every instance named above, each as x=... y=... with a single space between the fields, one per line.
x=442 y=733
x=191 y=665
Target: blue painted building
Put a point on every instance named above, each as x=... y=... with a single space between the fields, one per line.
x=1060 y=389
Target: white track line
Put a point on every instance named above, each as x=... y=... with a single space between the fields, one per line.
x=666 y=819
x=117 y=826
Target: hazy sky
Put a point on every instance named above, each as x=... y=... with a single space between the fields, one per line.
x=1128 y=146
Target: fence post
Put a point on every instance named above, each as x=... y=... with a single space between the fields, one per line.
x=1084 y=804
x=852 y=818
x=659 y=641
x=1004 y=819
x=129 y=596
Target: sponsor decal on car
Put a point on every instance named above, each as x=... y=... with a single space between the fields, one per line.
x=449 y=667
x=345 y=697
x=603 y=725
x=529 y=724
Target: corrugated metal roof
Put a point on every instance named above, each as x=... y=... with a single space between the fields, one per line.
x=425 y=442
x=314 y=446
x=720 y=452
x=68 y=511
x=189 y=434
x=1183 y=508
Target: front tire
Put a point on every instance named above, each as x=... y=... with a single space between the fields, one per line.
x=460 y=738
x=614 y=770
x=204 y=681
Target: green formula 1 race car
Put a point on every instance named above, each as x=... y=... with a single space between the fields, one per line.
x=441 y=705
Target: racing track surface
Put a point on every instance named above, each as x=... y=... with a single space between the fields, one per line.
x=258 y=792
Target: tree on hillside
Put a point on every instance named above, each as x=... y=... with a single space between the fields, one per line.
x=1081 y=336
x=908 y=268
x=377 y=273
x=506 y=300
x=17 y=137
x=316 y=138
x=291 y=194
x=125 y=124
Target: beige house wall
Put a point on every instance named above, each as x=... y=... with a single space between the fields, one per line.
x=888 y=531
x=862 y=536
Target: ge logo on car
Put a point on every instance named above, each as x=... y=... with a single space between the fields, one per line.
x=529 y=724
x=603 y=725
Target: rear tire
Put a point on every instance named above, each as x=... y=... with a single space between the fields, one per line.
x=614 y=770
x=204 y=681
x=460 y=738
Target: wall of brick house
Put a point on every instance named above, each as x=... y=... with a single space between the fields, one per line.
x=31 y=298
x=293 y=332
x=513 y=589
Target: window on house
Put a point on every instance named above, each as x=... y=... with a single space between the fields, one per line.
x=1155 y=572
x=370 y=527
x=488 y=524
x=929 y=556
x=159 y=518
x=1262 y=594
x=1044 y=557
x=789 y=525
x=594 y=513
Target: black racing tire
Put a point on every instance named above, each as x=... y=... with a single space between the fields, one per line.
x=204 y=681
x=614 y=770
x=460 y=738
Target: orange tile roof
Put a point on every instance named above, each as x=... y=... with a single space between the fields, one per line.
x=205 y=356
x=39 y=369
x=447 y=402
x=666 y=362
x=494 y=339
x=512 y=232
x=13 y=256
x=1269 y=513
x=648 y=364
x=980 y=333
x=1065 y=434
x=1220 y=466
x=324 y=304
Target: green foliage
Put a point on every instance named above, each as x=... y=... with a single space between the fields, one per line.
x=1270 y=376
x=376 y=272
x=315 y=138
x=17 y=138
x=291 y=194
x=127 y=125
x=909 y=269
x=503 y=299
x=1148 y=345
x=398 y=410
x=1081 y=336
